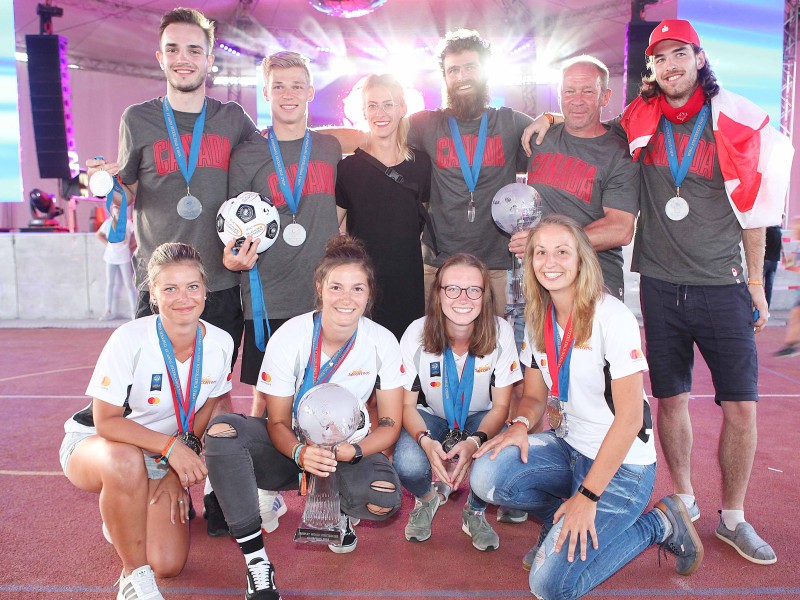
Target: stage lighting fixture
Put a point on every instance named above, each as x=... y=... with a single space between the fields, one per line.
x=347 y=9
x=43 y=210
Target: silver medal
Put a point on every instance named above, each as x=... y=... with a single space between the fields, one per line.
x=294 y=234
x=677 y=208
x=101 y=184
x=189 y=207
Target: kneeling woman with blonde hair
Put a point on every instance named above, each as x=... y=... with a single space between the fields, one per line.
x=589 y=479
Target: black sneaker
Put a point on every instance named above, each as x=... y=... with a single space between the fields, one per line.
x=261 y=581
x=683 y=541
x=212 y=512
x=787 y=351
x=348 y=542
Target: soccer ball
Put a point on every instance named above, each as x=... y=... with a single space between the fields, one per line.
x=249 y=214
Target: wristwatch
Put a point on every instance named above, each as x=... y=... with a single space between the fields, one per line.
x=358 y=456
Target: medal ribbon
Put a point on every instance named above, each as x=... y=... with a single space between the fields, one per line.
x=314 y=373
x=116 y=233
x=259 y=308
x=457 y=394
x=291 y=196
x=471 y=174
x=679 y=172
x=184 y=405
x=559 y=355
x=187 y=168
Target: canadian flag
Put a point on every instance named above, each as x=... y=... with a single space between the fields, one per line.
x=754 y=158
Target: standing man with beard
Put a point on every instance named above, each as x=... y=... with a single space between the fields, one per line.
x=173 y=163
x=474 y=153
x=714 y=175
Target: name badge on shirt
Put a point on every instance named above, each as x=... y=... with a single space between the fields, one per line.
x=436 y=369
x=155 y=382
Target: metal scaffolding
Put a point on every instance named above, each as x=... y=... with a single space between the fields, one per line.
x=789 y=66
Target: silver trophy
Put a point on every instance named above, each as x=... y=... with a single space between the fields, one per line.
x=516 y=207
x=327 y=415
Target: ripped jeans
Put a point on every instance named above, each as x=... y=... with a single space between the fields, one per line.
x=243 y=460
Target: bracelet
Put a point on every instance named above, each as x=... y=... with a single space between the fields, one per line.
x=294 y=449
x=550 y=118
x=476 y=442
x=588 y=493
x=754 y=282
x=422 y=434
x=165 y=451
x=300 y=462
x=297 y=453
x=523 y=420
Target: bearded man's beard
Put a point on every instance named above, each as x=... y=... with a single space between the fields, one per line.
x=468 y=106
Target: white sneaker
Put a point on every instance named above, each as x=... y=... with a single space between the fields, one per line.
x=106 y=534
x=271 y=506
x=139 y=585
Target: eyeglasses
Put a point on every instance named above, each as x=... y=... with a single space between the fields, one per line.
x=454 y=291
x=386 y=107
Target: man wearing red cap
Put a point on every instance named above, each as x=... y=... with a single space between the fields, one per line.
x=709 y=163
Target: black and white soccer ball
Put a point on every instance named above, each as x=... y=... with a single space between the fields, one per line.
x=249 y=215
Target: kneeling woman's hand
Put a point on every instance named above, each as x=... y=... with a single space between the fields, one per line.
x=318 y=461
x=170 y=489
x=579 y=513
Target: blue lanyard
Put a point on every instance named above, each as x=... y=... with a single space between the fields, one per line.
x=316 y=373
x=187 y=168
x=457 y=395
x=679 y=172
x=116 y=233
x=184 y=406
x=470 y=174
x=292 y=197
x=259 y=308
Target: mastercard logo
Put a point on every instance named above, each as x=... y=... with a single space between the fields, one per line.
x=230 y=376
x=153 y=400
x=514 y=366
x=436 y=384
x=265 y=376
x=524 y=345
x=402 y=368
x=543 y=362
x=636 y=354
x=106 y=381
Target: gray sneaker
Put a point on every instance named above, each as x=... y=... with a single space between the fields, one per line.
x=747 y=542
x=683 y=540
x=418 y=528
x=474 y=524
x=511 y=515
x=530 y=555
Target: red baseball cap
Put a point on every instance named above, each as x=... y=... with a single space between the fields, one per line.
x=672 y=29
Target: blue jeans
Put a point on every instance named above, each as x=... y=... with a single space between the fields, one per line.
x=412 y=464
x=553 y=472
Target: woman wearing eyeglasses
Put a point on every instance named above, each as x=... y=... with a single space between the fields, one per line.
x=463 y=358
x=382 y=188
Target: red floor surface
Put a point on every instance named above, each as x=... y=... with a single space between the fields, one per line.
x=51 y=543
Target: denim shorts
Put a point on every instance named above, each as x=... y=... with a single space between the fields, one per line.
x=719 y=319
x=72 y=439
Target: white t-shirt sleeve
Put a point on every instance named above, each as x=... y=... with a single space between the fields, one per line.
x=526 y=352
x=409 y=344
x=392 y=372
x=507 y=370
x=622 y=340
x=113 y=374
x=278 y=376
x=223 y=378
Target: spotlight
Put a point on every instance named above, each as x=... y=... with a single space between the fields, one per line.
x=43 y=210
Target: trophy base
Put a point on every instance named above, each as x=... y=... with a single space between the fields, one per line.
x=319 y=536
